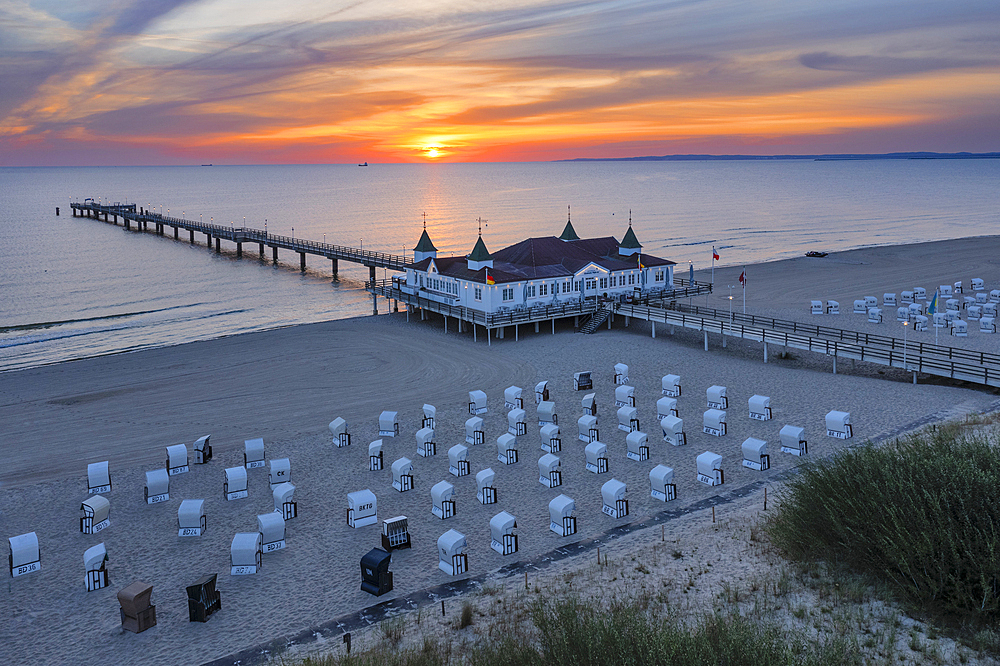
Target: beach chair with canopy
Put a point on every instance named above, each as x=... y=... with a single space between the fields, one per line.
x=426 y=446
x=486 y=492
x=561 y=518
x=137 y=612
x=621 y=373
x=157 y=486
x=191 y=521
x=546 y=413
x=551 y=442
x=874 y=315
x=376 y=579
x=596 y=456
x=281 y=471
x=661 y=483
x=919 y=323
x=362 y=508
x=516 y=422
x=960 y=328
x=889 y=300
x=458 y=460
x=714 y=423
x=442 y=500
x=203 y=598
x=628 y=419
x=338 y=428
x=952 y=305
x=916 y=309
x=582 y=381
x=452 y=558
x=624 y=396
x=717 y=398
x=833 y=307
x=511 y=398
x=940 y=319
x=919 y=294
x=477 y=403
x=974 y=312
x=24 y=554
x=860 y=307
x=272 y=532
x=245 y=554
x=474 y=434
x=977 y=284
x=755 y=454
x=388 y=424
x=507 y=448
x=666 y=407
x=177 y=459
x=613 y=495
x=710 y=469
x=870 y=302
x=588 y=428
x=637 y=446
x=903 y=313
x=671 y=386
x=284 y=503
x=202 y=450
x=235 y=485
x=906 y=297
x=990 y=309
x=968 y=301
x=95 y=567
x=430 y=413
x=760 y=407
x=98 y=478
x=253 y=453
x=944 y=290
x=96 y=516
x=541 y=392
x=838 y=425
x=402 y=475
x=673 y=430
x=503 y=538
x=958 y=287
x=550 y=471
x=994 y=295
x=793 y=440
x=982 y=297
x=375 y=459
x=589 y=404
x=816 y=307
x=396 y=533
x=987 y=325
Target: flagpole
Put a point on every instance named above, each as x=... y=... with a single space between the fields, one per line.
x=713 y=276
x=744 y=290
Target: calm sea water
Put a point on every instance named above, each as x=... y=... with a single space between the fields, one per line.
x=74 y=287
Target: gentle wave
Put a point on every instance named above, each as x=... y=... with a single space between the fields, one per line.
x=82 y=320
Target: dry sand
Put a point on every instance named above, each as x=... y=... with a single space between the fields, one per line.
x=286 y=385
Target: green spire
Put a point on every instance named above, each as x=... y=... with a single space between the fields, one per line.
x=425 y=244
x=479 y=252
x=630 y=242
x=568 y=233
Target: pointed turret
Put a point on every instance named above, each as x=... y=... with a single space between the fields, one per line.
x=480 y=257
x=425 y=248
x=568 y=233
x=630 y=244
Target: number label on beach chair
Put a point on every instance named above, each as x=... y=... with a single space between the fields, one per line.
x=242 y=570
x=26 y=569
x=189 y=532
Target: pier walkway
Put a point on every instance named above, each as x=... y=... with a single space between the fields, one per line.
x=142 y=220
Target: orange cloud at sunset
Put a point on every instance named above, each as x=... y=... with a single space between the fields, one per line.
x=171 y=81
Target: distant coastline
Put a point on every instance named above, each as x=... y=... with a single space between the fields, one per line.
x=815 y=158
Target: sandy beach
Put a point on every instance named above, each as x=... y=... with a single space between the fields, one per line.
x=286 y=385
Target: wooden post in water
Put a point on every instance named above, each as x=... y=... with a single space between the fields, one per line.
x=274 y=254
x=302 y=261
x=261 y=250
x=239 y=250
x=371 y=276
x=218 y=249
x=334 y=266
x=191 y=235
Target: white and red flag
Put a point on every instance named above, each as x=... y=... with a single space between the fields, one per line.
x=715 y=255
x=743 y=278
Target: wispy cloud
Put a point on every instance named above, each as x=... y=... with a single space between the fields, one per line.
x=485 y=79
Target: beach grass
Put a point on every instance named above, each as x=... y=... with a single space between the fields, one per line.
x=921 y=515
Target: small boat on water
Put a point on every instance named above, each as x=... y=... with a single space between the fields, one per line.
x=365 y=164
x=814 y=253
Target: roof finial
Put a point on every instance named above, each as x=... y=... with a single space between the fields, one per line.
x=481 y=223
x=568 y=218
x=425 y=220
x=630 y=217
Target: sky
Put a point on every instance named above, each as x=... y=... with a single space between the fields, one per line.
x=129 y=82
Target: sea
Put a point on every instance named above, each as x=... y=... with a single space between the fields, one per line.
x=75 y=287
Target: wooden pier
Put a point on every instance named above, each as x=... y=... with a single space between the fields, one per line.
x=141 y=220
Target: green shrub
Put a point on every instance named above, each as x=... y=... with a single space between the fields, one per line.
x=921 y=514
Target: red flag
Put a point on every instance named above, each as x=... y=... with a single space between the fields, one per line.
x=715 y=255
x=743 y=278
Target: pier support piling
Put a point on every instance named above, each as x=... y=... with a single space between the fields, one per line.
x=334 y=266
x=239 y=250
x=191 y=236
x=261 y=250
x=765 y=352
x=274 y=255
x=654 y=329
x=706 y=340
x=302 y=262
x=371 y=276
x=177 y=232
x=218 y=245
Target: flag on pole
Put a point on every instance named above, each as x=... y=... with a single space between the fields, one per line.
x=489 y=280
x=715 y=255
x=932 y=308
x=743 y=278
